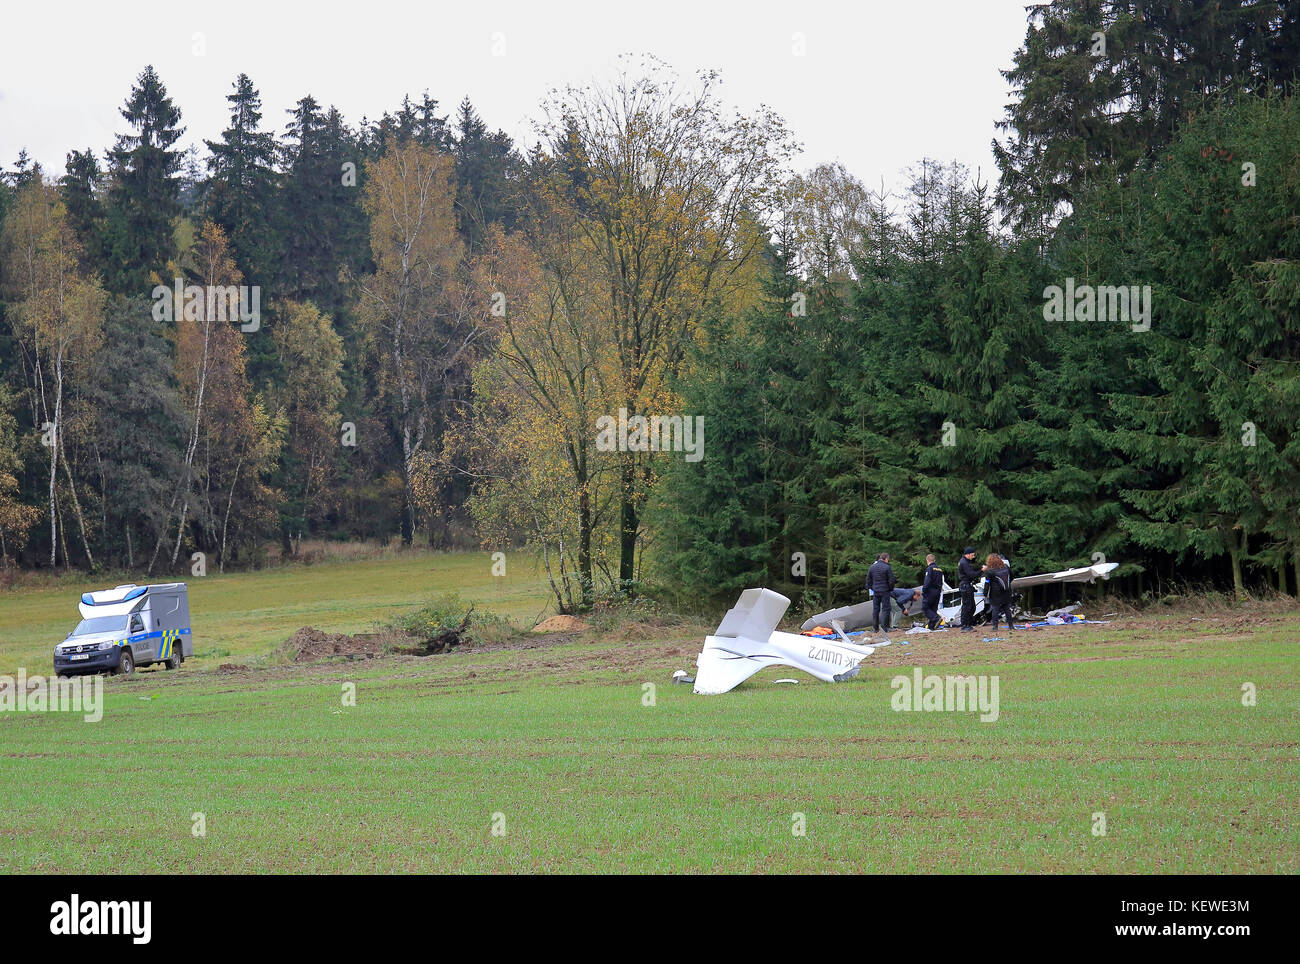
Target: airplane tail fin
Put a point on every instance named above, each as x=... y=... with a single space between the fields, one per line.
x=756 y=614
x=736 y=650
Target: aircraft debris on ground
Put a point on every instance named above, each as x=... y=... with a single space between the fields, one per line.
x=747 y=639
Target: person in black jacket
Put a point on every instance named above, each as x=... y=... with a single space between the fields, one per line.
x=931 y=591
x=880 y=580
x=998 y=572
x=967 y=576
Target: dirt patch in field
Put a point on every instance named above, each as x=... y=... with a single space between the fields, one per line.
x=309 y=644
x=561 y=624
x=646 y=629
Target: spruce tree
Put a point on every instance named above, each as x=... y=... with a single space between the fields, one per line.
x=976 y=395
x=240 y=191
x=320 y=218
x=485 y=166
x=736 y=518
x=136 y=449
x=1101 y=86
x=145 y=192
x=82 y=191
x=1216 y=422
x=869 y=463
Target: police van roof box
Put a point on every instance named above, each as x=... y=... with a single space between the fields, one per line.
x=121 y=599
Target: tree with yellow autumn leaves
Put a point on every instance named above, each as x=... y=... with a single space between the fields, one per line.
x=414 y=307
x=58 y=318
x=644 y=219
x=667 y=190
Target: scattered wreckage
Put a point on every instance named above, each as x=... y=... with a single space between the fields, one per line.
x=858 y=616
x=747 y=639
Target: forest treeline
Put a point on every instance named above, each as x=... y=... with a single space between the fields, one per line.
x=414 y=326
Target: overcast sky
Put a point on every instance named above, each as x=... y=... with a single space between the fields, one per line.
x=880 y=83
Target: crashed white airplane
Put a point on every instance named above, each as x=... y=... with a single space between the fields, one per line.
x=747 y=639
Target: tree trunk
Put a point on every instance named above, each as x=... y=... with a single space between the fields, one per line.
x=180 y=531
x=190 y=449
x=225 y=523
x=408 y=511
x=584 y=535
x=828 y=571
x=76 y=505
x=627 y=523
x=55 y=429
x=1234 y=554
x=63 y=541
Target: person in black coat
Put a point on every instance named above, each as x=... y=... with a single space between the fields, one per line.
x=998 y=572
x=967 y=576
x=880 y=580
x=931 y=591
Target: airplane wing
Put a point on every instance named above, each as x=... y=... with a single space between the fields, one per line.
x=1084 y=574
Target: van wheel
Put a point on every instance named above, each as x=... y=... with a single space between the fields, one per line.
x=173 y=661
x=126 y=665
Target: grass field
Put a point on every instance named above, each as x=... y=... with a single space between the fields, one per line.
x=551 y=741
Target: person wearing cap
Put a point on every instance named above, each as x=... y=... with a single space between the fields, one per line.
x=967 y=576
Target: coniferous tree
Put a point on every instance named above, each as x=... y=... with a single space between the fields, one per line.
x=25 y=171
x=485 y=166
x=240 y=190
x=733 y=519
x=136 y=449
x=868 y=465
x=81 y=188
x=972 y=446
x=410 y=123
x=1101 y=86
x=145 y=192
x=1075 y=484
x=1215 y=421
x=321 y=220
x=191 y=195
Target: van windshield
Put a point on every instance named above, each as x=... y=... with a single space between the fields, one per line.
x=100 y=624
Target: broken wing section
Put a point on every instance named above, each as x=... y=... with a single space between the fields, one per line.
x=746 y=641
x=1082 y=574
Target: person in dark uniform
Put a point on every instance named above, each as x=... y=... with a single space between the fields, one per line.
x=998 y=572
x=967 y=576
x=880 y=580
x=931 y=591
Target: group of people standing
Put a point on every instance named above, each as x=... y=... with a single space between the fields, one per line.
x=997 y=594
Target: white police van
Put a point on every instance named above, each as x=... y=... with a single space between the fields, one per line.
x=128 y=626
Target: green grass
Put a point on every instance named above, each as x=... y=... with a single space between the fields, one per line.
x=1142 y=721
